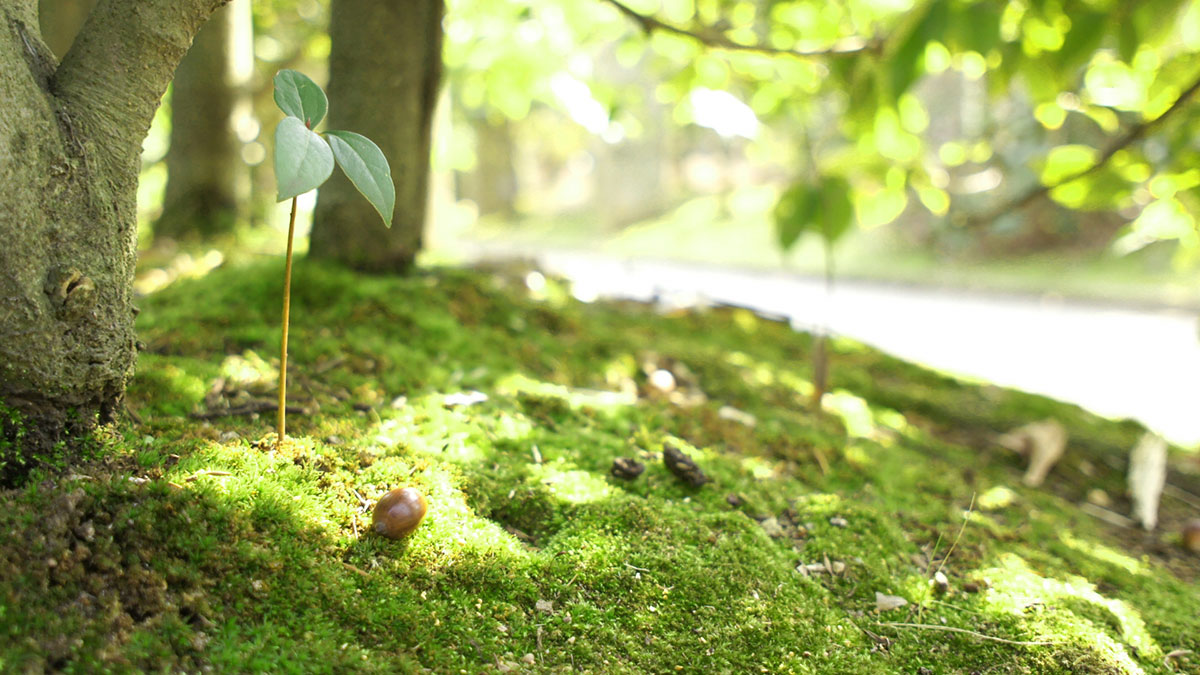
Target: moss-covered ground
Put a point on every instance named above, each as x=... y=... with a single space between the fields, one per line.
x=198 y=544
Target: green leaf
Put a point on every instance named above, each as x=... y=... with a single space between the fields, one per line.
x=1065 y=161
x=824 y=208
x=367 y=168
x=837 y=211
x=302 y=159
x=300 y=97
x=795 y=213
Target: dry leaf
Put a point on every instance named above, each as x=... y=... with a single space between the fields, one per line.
x=1042 y=443
x=1147 y=475
x=884 y=602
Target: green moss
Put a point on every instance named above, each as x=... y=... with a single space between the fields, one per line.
x=230 y=554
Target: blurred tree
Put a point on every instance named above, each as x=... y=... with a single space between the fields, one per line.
x=68 y=212
x=60 y=20
x=385 y=66
x=204 y=166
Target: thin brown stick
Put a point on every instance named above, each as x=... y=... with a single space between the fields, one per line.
x=247 y=409
x=953 y=544
x=1125 y=140
x=981 y=636
x=845 y=47
x=287 y=307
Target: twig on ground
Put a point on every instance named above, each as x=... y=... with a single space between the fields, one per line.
x=250 y=408
x=964 y=631
x=953 y=544
x=352 y=568
x=1110 y=517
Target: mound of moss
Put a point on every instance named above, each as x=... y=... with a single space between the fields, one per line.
x=197 y=543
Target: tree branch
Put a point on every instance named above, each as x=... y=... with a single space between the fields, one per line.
x=1131 y=136
x=120 y=64
x=845 y=47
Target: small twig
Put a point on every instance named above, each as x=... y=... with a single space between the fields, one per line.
x=352 y=568
x=1128 y=138
x=639 y=569
x=981 y=636
x=1110 y=517
x=1182 y=495
x=201 y=474
x=966 y=519
x=247 y=409
x=848 y=46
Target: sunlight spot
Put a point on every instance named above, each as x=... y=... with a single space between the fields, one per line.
x=722 y=112
x=853 y=410
x=575 y=486
x=577 y=99
x=995 y=498
x=1104 y=553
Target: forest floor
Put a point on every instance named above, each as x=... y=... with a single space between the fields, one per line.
x=887 y=533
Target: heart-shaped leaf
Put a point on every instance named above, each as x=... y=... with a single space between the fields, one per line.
x=300 y=97
x=302 y=159
x=795 y=213
x=367 y=168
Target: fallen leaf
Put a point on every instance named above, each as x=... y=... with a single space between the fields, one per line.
x=1147 y=475
x=1042 y=444
x=546 y=606
x=884 y=602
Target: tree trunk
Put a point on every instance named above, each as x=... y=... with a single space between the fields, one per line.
x=385 y=66
x=70 y=141
x=204 y=168
x=60 y=21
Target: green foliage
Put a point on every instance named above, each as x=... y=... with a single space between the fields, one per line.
x=298 y=96
x=304 y=159
x=367 y=168
x=824 y=209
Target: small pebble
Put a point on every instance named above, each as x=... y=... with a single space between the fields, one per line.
x=229 y=436
x=734 y=500
x=838 y=521
x=627 y=468
x=529 y=659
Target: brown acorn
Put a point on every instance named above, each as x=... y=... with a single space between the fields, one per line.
x=399 y=512
x=1191 y=536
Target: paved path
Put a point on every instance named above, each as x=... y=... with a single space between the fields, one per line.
x=1116 y=361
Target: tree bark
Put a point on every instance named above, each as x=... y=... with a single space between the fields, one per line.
x=70 y=139
x=204 y=169
x=385 y=66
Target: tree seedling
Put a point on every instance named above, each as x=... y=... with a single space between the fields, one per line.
x=821 y=206
x=303 y=161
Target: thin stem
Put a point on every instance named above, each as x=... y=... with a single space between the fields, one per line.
x=287 y=309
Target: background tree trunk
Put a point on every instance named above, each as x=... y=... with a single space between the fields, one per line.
x=61 y=20
x=385 y=67
x=71 y=137
x=204 y=167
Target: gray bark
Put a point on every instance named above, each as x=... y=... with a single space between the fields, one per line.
x=203 y=165
x=70 y=138
x=385 y=67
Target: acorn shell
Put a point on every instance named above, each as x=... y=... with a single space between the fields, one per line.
x=399 y=512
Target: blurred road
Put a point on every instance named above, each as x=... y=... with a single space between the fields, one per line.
x=1117 y=361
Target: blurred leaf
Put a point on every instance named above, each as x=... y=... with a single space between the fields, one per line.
x=824 y=208
x=303 y=160
x=927 y=23
x=367 y=168
x=1067 y=160
x=300 y=97
x=795 y=213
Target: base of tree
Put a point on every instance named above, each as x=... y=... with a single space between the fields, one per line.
x=43 y=436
